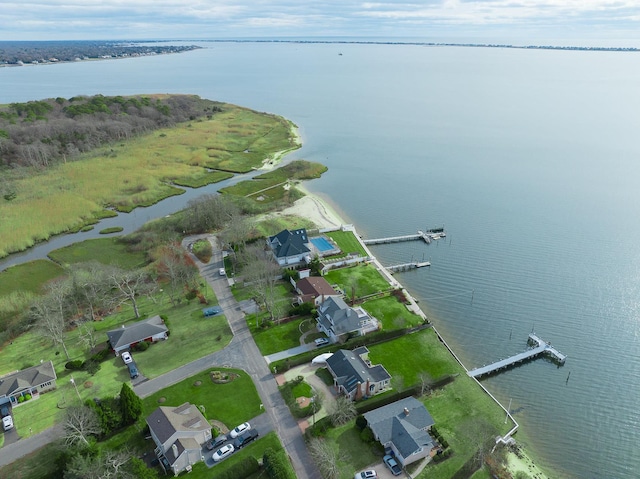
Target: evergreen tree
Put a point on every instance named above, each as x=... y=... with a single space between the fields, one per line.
x=130 y=404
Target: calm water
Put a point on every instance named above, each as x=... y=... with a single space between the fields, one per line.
x=529 y=159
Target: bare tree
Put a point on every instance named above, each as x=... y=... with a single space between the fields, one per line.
x=49 y=313
x=425 y=383
x=109 y=464
x=81 y=422
x=92 y=288
x=129 y=284
x=262 y=275
x=342 y=411
x=175 y=269
x=326 y=458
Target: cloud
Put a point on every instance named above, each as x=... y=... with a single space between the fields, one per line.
x=192 y=19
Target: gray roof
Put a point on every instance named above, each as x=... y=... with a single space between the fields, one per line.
x=136 y=332
x=34 y=376
x=186 y=419
x=403 y=423
x=336 y=315
x=289 y=243
x=349 y=369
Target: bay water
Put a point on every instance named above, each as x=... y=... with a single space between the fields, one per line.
x=530 y=160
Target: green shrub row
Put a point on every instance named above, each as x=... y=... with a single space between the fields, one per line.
x=276 y=464
x=240 y=470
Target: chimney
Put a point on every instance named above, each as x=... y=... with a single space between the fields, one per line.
x=406 y=411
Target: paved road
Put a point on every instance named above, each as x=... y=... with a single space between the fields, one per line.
x=13 y=452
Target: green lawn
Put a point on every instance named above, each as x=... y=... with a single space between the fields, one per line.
x=347 y=242
x=104 y=250
x=277 y=337
x=37 y=465
x=365 y=279
x=354 y=454
x=406 y=357
x=231 y=403
x=392 y=313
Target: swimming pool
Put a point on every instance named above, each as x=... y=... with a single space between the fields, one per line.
x=322 y=244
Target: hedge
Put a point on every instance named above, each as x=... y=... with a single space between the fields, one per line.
x=240 y=470
x=276 y=464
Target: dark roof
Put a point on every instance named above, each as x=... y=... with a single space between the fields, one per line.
x=336 y=315
x=289 y=243
x=186 y=418
x=403 y=423
x=315 y=286
x=34 y=376
x=349 y=369
x=136 y=332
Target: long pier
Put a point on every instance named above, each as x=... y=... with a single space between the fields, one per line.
x=539 y=347
x=427 y=237
x=408 y=266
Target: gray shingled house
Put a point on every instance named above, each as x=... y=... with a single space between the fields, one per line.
x=354 y=376
x=404 y=427
x=336 y=319
x=33 y=381
x=179 y=434
x=124 y=338
x=290 y=248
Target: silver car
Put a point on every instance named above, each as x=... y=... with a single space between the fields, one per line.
x=223 y=452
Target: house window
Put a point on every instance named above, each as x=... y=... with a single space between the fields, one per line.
x=372 y=387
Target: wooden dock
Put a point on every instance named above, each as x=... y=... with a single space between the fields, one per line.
x=408 y=266
x=539 y=347
x=427 y=237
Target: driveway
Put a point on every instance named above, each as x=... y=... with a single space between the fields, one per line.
x=11 y=436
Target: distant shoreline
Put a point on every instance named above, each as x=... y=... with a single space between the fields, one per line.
x=437 y=44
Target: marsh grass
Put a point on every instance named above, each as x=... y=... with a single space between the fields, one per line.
x=139 y=172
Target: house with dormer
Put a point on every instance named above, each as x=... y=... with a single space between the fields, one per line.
x=314 y=289
x=290 y=248
x=179 y=433
x=403 y=426
x=354 y=376
x=338 y=320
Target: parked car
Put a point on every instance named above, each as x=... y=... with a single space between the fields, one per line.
x=4 y=410
x=133 y=370
x=216 y=442
x=239 y=430
x=7 y=423
x=126 y=357
x=245 y=439
x=393 y=465
x=223 y=452
x=368 y=474
x=222 y=272
x=321 y=342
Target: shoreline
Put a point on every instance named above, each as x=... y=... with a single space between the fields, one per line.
x=312 y=207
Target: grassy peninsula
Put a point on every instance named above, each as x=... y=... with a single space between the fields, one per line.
x=51 y=187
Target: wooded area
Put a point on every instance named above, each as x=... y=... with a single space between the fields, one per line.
x=42 y=133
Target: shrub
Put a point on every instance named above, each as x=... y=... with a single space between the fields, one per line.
x=277 y=465
x=142 y=346
x=367 y=435
x=191 y=294
x=361 y=422
x=240 y=470
x=101 y=355
x=27 y=397
x=20 y=399
x=75 y=365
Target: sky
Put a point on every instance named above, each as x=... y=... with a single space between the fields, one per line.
x=431 y=20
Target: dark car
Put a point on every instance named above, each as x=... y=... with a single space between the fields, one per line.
x=133 y=370
x=393 y=465
x=216 y=442
x=245 y=439
x=4 y=410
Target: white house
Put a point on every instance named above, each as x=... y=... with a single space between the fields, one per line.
x=179 y=434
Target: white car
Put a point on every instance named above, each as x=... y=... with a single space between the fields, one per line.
x=224 y=451
x=368 y=474
x=7 y=423
x=222 y=272
x=241 y=429
x=126 y=357
x=321 y=342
